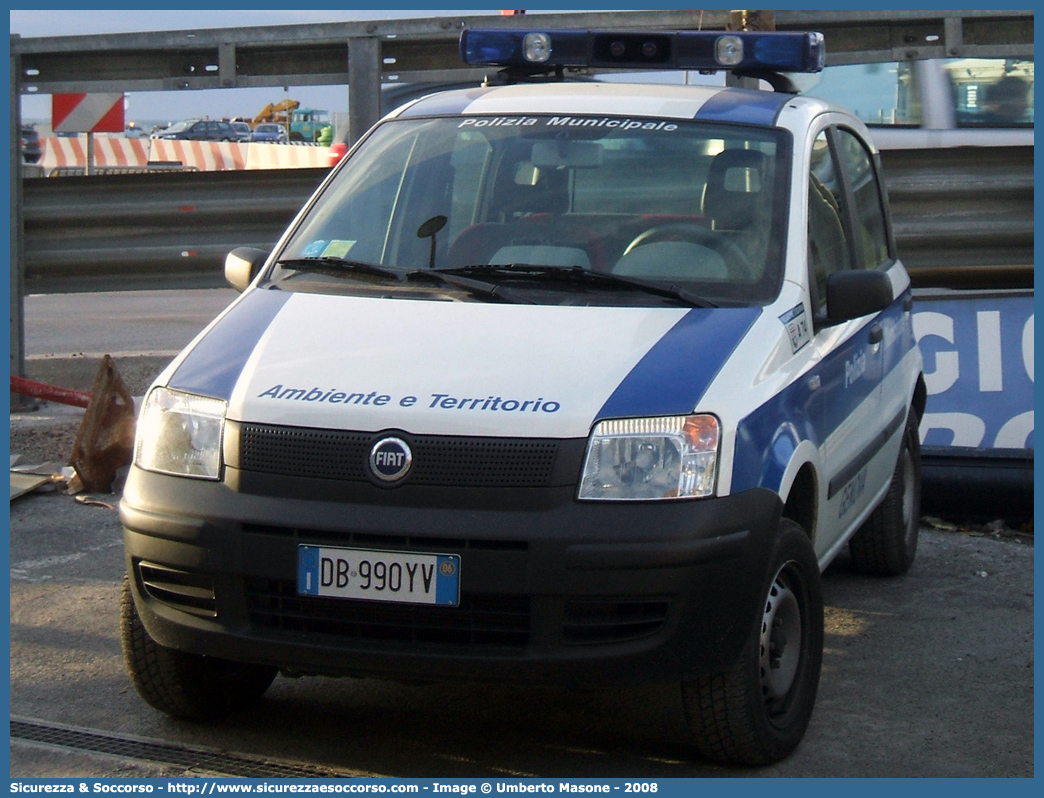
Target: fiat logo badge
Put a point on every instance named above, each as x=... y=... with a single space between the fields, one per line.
x=390 y=459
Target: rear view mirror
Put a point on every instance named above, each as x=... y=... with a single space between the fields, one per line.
x=569 y=154
x=853 y=294
x=242 y=266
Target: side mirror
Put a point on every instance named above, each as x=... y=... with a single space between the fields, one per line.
x=853 y=294
x=242 y=266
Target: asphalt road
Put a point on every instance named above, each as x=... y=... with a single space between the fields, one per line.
x=930 y=674
x=118 y=323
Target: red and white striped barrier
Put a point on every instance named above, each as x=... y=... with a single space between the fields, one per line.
x=67 y=151
x=286 y=156
x=206 y=156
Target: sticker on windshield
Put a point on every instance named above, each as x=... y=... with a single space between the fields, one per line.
x=315 y=249
x=797 y=327
x=337 y=248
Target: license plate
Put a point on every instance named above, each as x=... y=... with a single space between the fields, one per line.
x=370 y=575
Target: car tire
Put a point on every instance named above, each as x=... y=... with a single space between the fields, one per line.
x=756 y=712
x=186 y=686
x=886 y=544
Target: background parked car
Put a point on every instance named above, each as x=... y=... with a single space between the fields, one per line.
x=200 y=130
x=269 y=131
x=242 y=129
x=31 y=149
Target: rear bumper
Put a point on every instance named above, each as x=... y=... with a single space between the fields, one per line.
x=552 y=590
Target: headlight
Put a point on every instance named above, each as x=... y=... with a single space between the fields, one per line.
x=674 y=457
x=179 y=433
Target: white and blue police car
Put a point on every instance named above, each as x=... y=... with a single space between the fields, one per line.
x=579 y=383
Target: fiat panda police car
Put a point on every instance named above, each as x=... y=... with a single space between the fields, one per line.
x=574 y=383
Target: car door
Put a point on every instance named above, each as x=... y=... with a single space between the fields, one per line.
x=848 y=230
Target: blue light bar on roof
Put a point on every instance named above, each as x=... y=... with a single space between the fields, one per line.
x=775 y=51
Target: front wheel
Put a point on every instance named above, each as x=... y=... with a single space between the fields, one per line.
x=183 y=685
x=756 y=712
x=887 y=542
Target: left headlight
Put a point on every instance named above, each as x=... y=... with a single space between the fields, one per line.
x=671 y=457
x=180 y=433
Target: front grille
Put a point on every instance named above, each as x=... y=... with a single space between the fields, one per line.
x=298 y=451
x=183 y=590
x=460 y=461
x=479 y=620
x=593 y=621
x=405 y=542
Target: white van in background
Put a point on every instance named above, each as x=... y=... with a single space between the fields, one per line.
x=951 y=102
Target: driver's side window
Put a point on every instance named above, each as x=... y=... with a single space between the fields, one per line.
x=828 y=246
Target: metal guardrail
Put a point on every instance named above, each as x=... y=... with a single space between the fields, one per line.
x=963 y=218
x=162 y=224
x=81 y=171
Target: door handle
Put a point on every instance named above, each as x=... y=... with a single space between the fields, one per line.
x=876 y=333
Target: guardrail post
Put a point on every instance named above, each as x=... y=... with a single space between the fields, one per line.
x=18 y=402
x=748 y=21
x=364 y=85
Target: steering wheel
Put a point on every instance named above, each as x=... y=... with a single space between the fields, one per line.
x=694 y=234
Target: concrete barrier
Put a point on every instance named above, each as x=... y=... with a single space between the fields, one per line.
x=65 y=151
x=286 y=156
x=204 y=156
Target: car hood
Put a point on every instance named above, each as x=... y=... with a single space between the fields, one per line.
x=455 y=368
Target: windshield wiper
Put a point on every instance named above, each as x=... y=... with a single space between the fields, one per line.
x=343 y=264
x=670 y=291
x=478 y=287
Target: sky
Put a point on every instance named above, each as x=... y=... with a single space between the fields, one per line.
x=172 y=106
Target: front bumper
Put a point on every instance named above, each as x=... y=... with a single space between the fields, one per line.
x=552 y=590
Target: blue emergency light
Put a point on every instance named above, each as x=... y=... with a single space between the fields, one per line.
x=703 y=50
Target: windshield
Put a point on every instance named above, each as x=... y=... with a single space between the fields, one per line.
x=693 y=206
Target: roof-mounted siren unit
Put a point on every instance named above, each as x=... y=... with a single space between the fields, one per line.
x=527 y=53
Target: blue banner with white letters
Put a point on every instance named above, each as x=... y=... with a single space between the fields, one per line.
x=978 y=367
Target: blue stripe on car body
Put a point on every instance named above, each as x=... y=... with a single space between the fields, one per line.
x=743 y=106
x=452 y=103
x=674 y=374
x=213 y=366
x=767 y=438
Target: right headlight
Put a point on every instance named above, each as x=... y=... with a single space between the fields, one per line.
x=180 y=433
x=669 y=457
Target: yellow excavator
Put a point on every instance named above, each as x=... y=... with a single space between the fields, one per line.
x=276 y=112
x=301 y=124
